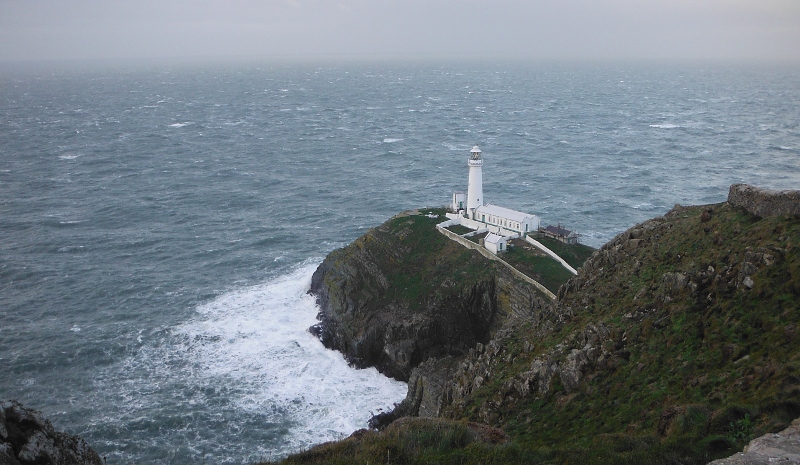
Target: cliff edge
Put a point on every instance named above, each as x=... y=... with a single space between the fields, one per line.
x=26 y=437
x=403 y=293
x=677 y=342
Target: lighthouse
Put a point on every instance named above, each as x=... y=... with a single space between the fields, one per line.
x=481 y=216
x=475 y=187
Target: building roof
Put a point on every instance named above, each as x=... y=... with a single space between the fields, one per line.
x=558 y=231
x=493 y=238
x=504 y=213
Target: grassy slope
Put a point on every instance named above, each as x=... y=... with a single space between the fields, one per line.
x=416 y=258
x=702 y=366
x=726 y=360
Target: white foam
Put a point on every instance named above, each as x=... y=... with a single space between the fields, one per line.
x=389 y=140
x=180 y=125
x=455 y=148
x=665 y=126
x=258 y=338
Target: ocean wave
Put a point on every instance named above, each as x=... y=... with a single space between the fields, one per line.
x=253 y=344
x=665 y=126
x=180 y=125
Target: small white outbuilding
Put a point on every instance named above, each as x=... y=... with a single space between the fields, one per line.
x=495 y=243
x=459 y=202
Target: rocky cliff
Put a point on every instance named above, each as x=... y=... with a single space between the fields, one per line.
x=676 y=343
x=26 y=437
x=403 y=293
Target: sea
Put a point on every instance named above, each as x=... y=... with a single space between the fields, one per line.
x=159 y=224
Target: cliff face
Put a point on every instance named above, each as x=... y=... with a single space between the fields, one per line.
x=677 y=342
x=26 y=437
x=403 y=293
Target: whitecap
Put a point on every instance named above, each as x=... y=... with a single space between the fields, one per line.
x=389 y=140
x=455 y=147
x=180 y=125
x=665 y=126
x=70 y=248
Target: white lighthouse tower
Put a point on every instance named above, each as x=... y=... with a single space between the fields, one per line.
x=475 y=187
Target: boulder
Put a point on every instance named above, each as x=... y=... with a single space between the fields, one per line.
x=773 y=448
x=27 y=437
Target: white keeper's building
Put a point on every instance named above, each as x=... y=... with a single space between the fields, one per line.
x=475 y=213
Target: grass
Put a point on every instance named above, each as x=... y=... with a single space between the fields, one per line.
x=730 y=363
x=537 y=265
x=458 y=229
x=574 y=254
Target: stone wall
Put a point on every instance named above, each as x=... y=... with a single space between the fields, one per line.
x=763 y=202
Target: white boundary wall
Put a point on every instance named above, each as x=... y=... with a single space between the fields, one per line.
x=479 y=226
x=482 y=250
x=544 y=249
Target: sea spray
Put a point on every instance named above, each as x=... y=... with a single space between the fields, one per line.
x=246 y=366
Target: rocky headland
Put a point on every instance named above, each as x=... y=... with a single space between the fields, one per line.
x=677 y=341
x=27 y=438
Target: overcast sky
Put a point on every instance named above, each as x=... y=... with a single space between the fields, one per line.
x=708 y=30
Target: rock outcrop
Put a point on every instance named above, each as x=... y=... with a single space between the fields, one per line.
x=403 y=294
x=763 y=202
x=781 y=448
x=26 y=437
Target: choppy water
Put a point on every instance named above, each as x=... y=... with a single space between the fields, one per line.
x=159 y=227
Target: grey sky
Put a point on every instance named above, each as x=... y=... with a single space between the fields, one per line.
x=718 y=30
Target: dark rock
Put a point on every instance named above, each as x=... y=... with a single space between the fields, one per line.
x=26 y=437
x=763 y=202
x=395 y=330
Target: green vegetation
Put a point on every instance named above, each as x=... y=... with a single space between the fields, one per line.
x=698 y=351
x=574 y=254
x=723 y=357
x=424 y=259
x=458 y=229
x=539 y=266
